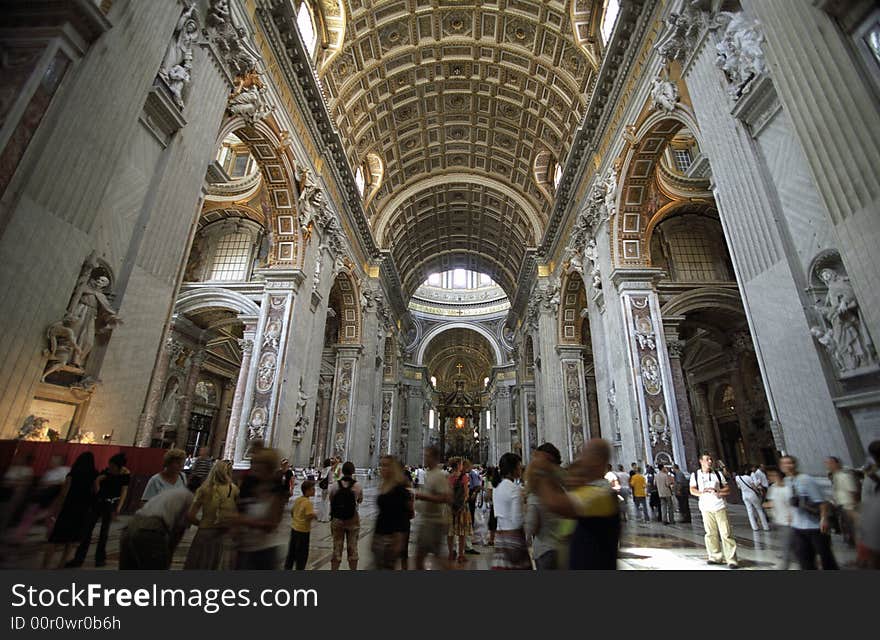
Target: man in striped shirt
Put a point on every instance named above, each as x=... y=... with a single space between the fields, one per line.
x=202 y=465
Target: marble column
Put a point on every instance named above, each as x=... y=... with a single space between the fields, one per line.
x=548 y=382
x=322 y=422
x=192 y=379
x=345 y=382
x=834 y=113
x=147 y=421
x=733 y=135
x=577 y=416
x=674 y=347
x=652 y=376
x=219 y=435
x=246 y=345
x=529 y=410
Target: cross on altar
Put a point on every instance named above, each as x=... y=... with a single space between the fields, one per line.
x=458 y=366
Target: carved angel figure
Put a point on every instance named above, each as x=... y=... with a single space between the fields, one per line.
x=250 y=103
x=739 y=50
x=664 y=95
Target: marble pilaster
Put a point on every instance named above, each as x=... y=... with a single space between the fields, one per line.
x=246 y=344
x=192 y=379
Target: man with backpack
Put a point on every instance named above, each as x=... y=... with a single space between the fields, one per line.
x=345 y=524
x=710 y=487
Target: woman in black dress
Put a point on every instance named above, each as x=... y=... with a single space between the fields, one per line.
x=395 y=510
x=73 y=507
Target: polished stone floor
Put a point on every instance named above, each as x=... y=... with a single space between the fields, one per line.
x=645 y=546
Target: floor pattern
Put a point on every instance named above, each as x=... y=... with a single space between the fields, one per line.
x=646 y=546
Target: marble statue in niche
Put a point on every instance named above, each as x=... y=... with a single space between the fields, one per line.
x=843 y=332
x=89 y=314
x=176 y=67
x=170 y=404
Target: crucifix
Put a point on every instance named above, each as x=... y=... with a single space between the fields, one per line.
x=458 y=366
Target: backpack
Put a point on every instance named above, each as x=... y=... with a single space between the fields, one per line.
x=721 y=482
x=343 y=505
x=458 y=493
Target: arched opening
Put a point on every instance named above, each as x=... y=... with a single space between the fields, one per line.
x=342 y=329
x=460 y=360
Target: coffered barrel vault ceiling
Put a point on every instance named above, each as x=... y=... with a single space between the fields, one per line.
x=438 y=88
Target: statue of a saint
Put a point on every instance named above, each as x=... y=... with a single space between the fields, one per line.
x=846 y=336
x=177 y=63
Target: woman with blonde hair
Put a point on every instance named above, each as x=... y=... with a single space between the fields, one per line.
x=395 y=510
x=216 y=500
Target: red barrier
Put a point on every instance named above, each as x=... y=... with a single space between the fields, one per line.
x=141 y=461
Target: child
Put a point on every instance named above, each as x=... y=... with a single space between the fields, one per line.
x=303 y=513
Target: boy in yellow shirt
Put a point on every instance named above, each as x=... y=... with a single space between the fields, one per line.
x=303 y=513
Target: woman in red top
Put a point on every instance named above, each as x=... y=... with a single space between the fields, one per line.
x=459 y=515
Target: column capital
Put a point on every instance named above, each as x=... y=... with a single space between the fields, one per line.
x=246 y=345
x=637 y=279
x=570 y=351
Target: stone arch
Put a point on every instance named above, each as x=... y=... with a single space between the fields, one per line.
x=345 y=299
x=640 y=195
x=271 y=151
x=442 y=328
x=207 y=297
x=703 y=298
x=573 y=300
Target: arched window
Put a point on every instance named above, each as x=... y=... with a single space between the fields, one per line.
x=431 y=419
x=235 y=158
x=224 y=251
x=609 y=17
x=231 y=257
x=306 y=27
x=488 y=420
x=434 y=381
x=557 y=175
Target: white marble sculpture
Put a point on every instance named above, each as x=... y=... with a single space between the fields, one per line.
x=679 y=35
x=176 y=66
x=611 y=192
x=664 y=95
x=740 y=53
x=89 y=314
x=591 y=253
x=843 y=332
x=251 y=103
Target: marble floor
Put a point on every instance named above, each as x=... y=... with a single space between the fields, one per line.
x=651 y=546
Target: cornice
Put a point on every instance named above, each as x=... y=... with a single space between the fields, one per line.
x=633 y=21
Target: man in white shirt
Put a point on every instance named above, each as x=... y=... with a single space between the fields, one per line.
x=710 y=487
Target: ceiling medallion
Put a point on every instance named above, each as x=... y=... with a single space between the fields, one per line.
x=456 y=133
x=456 y=102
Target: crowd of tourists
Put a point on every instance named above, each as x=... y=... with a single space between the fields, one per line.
x=544 y=516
